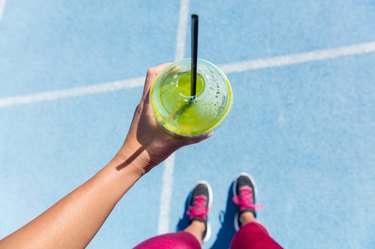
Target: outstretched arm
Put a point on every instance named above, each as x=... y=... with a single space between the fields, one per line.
x=74 y=220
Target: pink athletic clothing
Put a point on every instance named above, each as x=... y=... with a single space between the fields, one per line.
x=179 y=240
x=253 y=235
x=250 y=236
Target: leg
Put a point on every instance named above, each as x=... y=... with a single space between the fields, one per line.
x=198 y=230
x=251 y=234
x=179 y=240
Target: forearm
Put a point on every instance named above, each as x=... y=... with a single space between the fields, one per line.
x=74 y=220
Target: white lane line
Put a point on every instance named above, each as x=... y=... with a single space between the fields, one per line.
x=72 y=92
x=166 y=192
x=182 y=29
x=236 y=67
x=2 y=6
x=166 y=196
x=299 y=58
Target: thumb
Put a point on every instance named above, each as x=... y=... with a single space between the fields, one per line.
x=151 y=75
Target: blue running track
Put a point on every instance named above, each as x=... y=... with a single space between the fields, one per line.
x=303 y=126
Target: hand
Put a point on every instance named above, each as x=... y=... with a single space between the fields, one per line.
x=146 y=140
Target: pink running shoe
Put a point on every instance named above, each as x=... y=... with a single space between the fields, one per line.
x=244 y=196
x=199 y=205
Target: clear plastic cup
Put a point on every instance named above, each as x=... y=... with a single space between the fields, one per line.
x=181 y=114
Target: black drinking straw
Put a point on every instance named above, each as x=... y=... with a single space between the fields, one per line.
x=194 y=53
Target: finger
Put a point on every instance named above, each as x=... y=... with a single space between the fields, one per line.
x=151 y=75
x=200 y=138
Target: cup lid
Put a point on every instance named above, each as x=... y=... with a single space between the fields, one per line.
x=185 y=115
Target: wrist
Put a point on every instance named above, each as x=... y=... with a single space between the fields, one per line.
x=133 y=156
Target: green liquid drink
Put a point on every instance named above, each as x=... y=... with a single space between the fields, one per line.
x=185 y=115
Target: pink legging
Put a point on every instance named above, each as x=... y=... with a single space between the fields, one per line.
x=250 y=236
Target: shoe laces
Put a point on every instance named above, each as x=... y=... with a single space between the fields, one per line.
x=245 y=199
x=199 y=208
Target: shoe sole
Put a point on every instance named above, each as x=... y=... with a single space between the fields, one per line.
x=236 y=225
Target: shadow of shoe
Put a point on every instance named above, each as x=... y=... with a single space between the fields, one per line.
x=227 y=231
x=184 y=221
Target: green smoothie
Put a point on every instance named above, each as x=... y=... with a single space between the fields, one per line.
x=185 y=115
